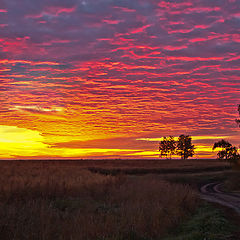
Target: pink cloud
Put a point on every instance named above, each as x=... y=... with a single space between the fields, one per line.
x=169 y=5
x=3 y=10
x=55 y=10
x=34 y=16
x=109 y=21
x=173 y=48
x=134 y=70
x=140 y=29
x=3 y=25
x=124 y=9
x=203 y=9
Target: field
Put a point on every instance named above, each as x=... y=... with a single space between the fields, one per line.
x=126 y=165
x=73 y=200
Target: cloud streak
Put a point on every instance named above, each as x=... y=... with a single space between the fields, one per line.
x=87 y=70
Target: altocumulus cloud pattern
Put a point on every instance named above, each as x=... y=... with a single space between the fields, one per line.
x=87 y=78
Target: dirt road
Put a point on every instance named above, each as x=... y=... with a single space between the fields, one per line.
x=212 y=192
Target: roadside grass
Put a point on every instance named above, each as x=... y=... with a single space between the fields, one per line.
x=230 y=178
x=197 y=180
x=208 y=223
x=232 y=183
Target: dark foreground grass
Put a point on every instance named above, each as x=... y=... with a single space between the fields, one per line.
x=142 y=171
x=230 y=179
x=197 y=180
x=232 y=183
x=45 y=201
x=55 y=203
x=208 y=223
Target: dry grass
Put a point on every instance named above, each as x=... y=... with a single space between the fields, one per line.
x=233 y=182
x=130 y=166
x=114 y=167
x=122 y=164
x=52 y=201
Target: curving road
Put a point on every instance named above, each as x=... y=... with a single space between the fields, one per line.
x=212 y=192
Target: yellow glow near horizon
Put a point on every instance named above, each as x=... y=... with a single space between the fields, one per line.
x=22 y=142
x=15 y=141
x=12 y=134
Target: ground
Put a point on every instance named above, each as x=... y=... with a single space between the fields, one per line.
x=112 y=200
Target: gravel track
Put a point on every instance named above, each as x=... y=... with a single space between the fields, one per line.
x=212 y=192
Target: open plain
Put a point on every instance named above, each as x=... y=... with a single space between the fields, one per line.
x=89 y=199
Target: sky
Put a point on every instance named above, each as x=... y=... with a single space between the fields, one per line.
x=109 y=78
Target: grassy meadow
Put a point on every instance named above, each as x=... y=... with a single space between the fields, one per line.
x=69 y=200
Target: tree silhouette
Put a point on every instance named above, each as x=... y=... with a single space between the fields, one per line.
x=167 y=147
x=185 y=148
x=228 y=152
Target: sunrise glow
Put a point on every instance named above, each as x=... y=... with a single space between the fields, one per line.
x=109 y=79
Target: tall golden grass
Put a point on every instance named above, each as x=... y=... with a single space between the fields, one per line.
x=49 y=201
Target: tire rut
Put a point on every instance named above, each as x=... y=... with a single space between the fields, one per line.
x=212 y=192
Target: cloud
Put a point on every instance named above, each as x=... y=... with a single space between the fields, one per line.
x=87 y=70
x=38 y=109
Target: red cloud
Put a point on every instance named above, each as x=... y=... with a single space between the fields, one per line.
x=109 y=21
x=7 y=61
x=169 y=5
x=140 y=29
x=55 y=10
x=173 y=48
x=124 y=9
x=119 y=71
